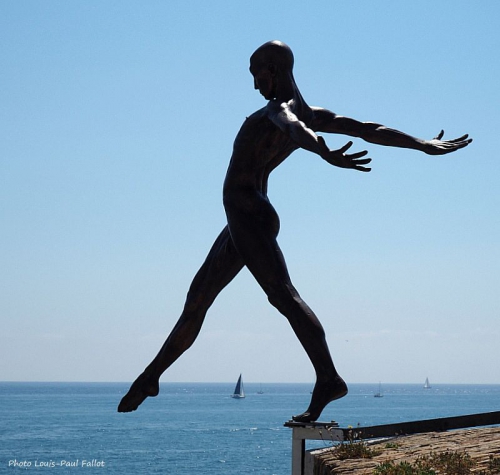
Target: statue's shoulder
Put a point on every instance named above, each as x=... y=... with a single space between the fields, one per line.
x=258 y=115
x=256 y=122
x=255 y=127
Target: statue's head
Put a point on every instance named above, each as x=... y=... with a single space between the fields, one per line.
x=271 y=65
x=274 y=52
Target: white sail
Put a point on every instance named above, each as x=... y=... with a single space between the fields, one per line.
x=427 y=384
x=379 y=393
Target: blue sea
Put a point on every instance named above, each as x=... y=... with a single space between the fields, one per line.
x=73 y=428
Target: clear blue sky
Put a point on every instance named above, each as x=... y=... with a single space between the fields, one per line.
x=117 y=122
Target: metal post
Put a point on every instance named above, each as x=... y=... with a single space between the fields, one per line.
x=298 y=452
x=310 y=431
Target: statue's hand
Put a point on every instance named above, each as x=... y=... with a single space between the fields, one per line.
x=436 y=146
x=340 y=159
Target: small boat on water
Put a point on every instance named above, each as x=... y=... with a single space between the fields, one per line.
x=239 y=392
x=379 y=393
x=260 y=390
x=427 y=385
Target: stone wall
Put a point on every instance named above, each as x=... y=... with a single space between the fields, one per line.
x=478 y=443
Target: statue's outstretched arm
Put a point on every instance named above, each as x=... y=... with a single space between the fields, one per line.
x=307 y=139
x=327 y=121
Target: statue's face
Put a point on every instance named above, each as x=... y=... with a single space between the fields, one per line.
x=264 y=80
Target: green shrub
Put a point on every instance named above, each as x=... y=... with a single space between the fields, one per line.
x=443 y=463
x=355 y=450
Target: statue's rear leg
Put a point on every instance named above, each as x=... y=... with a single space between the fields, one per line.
x=222 y=264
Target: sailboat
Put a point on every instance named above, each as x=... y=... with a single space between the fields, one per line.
x=239 y=393
x=260 y=390
x=379 y=393
x=427 y=384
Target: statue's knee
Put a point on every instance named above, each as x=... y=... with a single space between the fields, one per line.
x=274 y=299
x=190 y=308
x=283 y=299
x=195 y=303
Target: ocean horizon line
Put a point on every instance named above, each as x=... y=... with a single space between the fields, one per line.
x=284 y=383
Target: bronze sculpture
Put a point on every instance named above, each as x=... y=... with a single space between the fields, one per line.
x=265 y=140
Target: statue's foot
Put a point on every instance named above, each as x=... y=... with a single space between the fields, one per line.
x=142 y=388
x=323 y=394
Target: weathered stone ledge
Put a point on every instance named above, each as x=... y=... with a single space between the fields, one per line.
x=478 y=443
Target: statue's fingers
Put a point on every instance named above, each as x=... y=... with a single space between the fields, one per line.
x=460 y=139
x=358 y=154
x=462 y=144
x=364 y=161
x=363 y=169
x=346 y=147
x=439 y=136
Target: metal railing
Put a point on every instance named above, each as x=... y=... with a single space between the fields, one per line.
x=302 y=431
